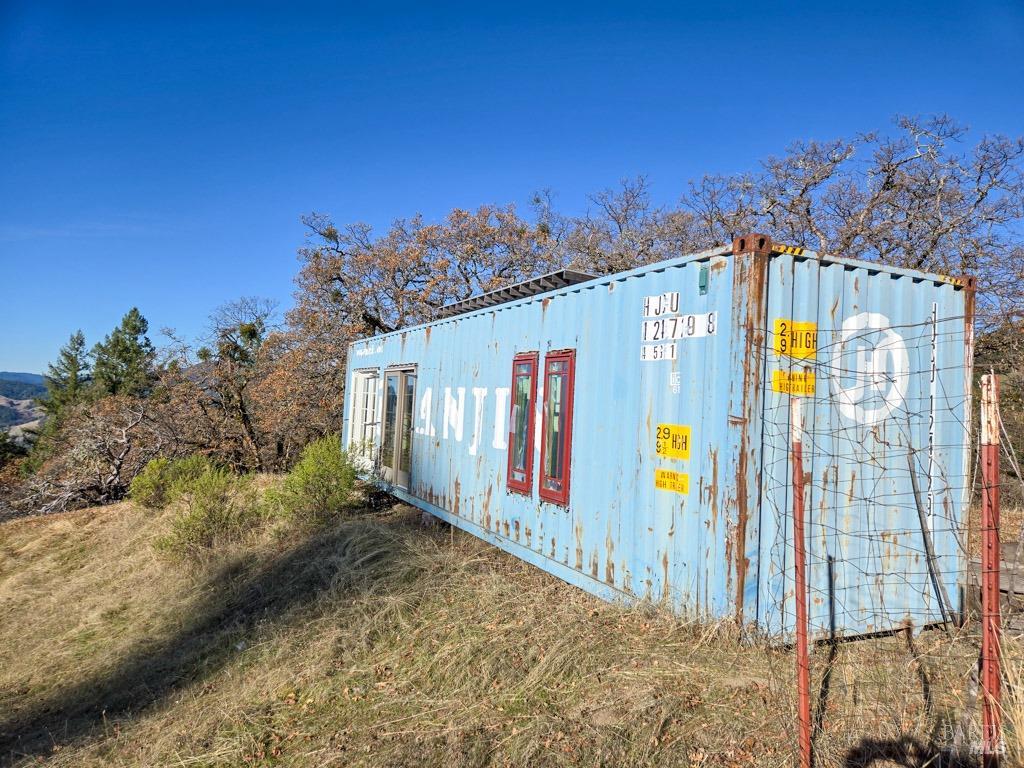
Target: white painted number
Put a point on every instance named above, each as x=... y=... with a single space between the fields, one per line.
x=680 y=327
x=649 y=352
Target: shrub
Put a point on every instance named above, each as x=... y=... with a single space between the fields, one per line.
x=184 y=472
x=162 y=480
x=149 y=487
x=217 y=507
x=321 y=485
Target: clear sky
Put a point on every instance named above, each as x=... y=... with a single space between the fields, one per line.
x=161 y=156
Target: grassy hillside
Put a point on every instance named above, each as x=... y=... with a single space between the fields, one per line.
x=379 y=642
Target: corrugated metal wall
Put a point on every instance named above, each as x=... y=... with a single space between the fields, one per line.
x=720 y=549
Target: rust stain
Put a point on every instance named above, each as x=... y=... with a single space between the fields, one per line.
x=528 y=533
x=664 y=575
x=458 y=494
x=593 y=563
x=515 y=527
x=504 y=524
x=552 y=546
x=487 y=507
x=579 y=547
x=609 y=550
x=426 y=335
x=544 y=307
x=713 y=488
x=730 y=543
x=749 y=278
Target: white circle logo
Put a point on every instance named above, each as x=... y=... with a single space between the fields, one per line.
x=870 y=368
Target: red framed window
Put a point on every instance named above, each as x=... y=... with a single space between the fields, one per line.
x=520 y=422
x=556 y=425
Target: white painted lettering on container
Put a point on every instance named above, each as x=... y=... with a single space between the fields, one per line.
x=479 y=394
x=500 y=413
x=426 y=426
x=454 y=411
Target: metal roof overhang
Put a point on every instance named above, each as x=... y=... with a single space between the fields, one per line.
x=538 y=285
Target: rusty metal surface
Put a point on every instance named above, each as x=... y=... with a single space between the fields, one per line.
x=717 y=549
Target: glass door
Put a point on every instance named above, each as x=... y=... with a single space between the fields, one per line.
x=396 y=446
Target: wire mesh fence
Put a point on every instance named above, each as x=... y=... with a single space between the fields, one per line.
x=873 y=489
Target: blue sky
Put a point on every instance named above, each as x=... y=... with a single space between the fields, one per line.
x=162 y=156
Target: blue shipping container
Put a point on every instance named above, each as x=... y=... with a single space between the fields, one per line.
x=630 y=433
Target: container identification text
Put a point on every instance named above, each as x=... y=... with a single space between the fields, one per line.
x=681 y=327
x=649 y=352
x=662 y=304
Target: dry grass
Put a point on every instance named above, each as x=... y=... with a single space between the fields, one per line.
x=381 y=643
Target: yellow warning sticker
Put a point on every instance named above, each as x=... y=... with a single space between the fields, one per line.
x=795 y=339
x=795 y=383
x=667 y=480
x=673 y=441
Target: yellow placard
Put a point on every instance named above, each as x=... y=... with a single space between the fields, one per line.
x=795 y=339
x=668 y=480
x=673 y=441
x=796 y=383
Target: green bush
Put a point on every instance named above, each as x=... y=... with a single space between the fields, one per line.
x=161 y=481
x=320 y=486
x=149 y=487
x=217 y=507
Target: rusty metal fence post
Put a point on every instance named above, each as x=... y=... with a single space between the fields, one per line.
x=990 y=557
x=803 y=663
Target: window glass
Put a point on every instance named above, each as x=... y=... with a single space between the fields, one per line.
x=520 y=444
x=554 y=389
x=405 y=459
x=556 y=428
x=390 y=411
x=368 y=409
x=521 y=409
x=363 y=433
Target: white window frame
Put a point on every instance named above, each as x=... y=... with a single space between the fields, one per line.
x=365 y=416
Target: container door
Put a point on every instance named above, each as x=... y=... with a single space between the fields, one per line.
x=876 y=362
x=396 y=446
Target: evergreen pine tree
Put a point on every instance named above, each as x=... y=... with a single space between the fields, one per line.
x=123 y=361
x=66 y=378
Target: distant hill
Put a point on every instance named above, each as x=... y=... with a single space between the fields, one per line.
x=31 y=378
x=18 y=392
x=17 y=411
